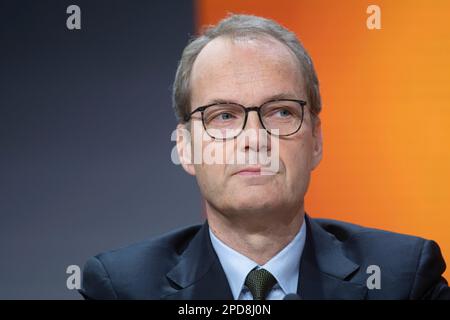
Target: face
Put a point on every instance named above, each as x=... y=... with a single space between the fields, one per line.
x=251 y=72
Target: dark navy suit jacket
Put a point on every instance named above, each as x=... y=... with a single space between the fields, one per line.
x=183 y=265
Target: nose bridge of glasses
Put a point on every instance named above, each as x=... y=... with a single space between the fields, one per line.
x=253 y=119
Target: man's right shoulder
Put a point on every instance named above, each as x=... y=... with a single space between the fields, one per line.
x=107 y=274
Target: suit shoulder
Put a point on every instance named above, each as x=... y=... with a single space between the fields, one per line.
x=345 y=231
x=135 y=271
x=166 y=245
x=372 y=244
x=411 y=267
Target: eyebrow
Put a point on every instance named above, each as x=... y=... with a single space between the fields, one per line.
x=269 y=98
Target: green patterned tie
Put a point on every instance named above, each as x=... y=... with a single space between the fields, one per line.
x=260 y=282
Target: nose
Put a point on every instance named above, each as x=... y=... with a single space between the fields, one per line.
x=253 y=121
x=255 y=136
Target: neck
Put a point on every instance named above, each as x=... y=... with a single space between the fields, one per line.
x=259 y=237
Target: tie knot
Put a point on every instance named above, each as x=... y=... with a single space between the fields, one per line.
x=260 y=282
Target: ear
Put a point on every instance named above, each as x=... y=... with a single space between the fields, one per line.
x=184 y=148
x=317 y=143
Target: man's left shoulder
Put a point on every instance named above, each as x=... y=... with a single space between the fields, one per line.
x=354 y=235
x=401 y=258
x=364 y=243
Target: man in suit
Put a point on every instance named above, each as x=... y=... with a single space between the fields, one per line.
x=247 y=89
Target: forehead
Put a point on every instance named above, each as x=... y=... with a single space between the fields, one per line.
x=245 y=70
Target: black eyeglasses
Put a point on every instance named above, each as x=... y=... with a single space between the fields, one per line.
x=226 y=120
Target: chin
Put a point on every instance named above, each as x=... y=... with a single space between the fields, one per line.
x=255 y=204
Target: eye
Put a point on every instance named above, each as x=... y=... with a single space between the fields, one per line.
x=224 y=116
x=221 y=117
x=282 y=112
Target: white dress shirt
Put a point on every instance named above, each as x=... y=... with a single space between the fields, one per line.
x=284 y=266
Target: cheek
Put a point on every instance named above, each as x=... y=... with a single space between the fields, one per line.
x=208 y=180
x=210 y=175
x=296 y=157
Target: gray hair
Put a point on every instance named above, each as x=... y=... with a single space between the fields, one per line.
x=236 y=26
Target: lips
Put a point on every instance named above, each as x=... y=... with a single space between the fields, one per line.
x=249 y=171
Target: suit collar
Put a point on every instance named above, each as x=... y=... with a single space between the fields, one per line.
x=199 y=274
x=325 y=272
x=284 y=266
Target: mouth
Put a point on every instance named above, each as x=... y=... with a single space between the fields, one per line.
x=254 y=171
x=249 y=171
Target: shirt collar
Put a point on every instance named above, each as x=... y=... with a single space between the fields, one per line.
x=284 y=266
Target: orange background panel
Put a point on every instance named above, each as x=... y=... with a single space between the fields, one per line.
x=386 y=108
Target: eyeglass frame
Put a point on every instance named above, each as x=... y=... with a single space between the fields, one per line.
x=202 y=109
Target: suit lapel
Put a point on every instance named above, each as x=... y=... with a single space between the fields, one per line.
x=198 y=274
x=325 y=272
